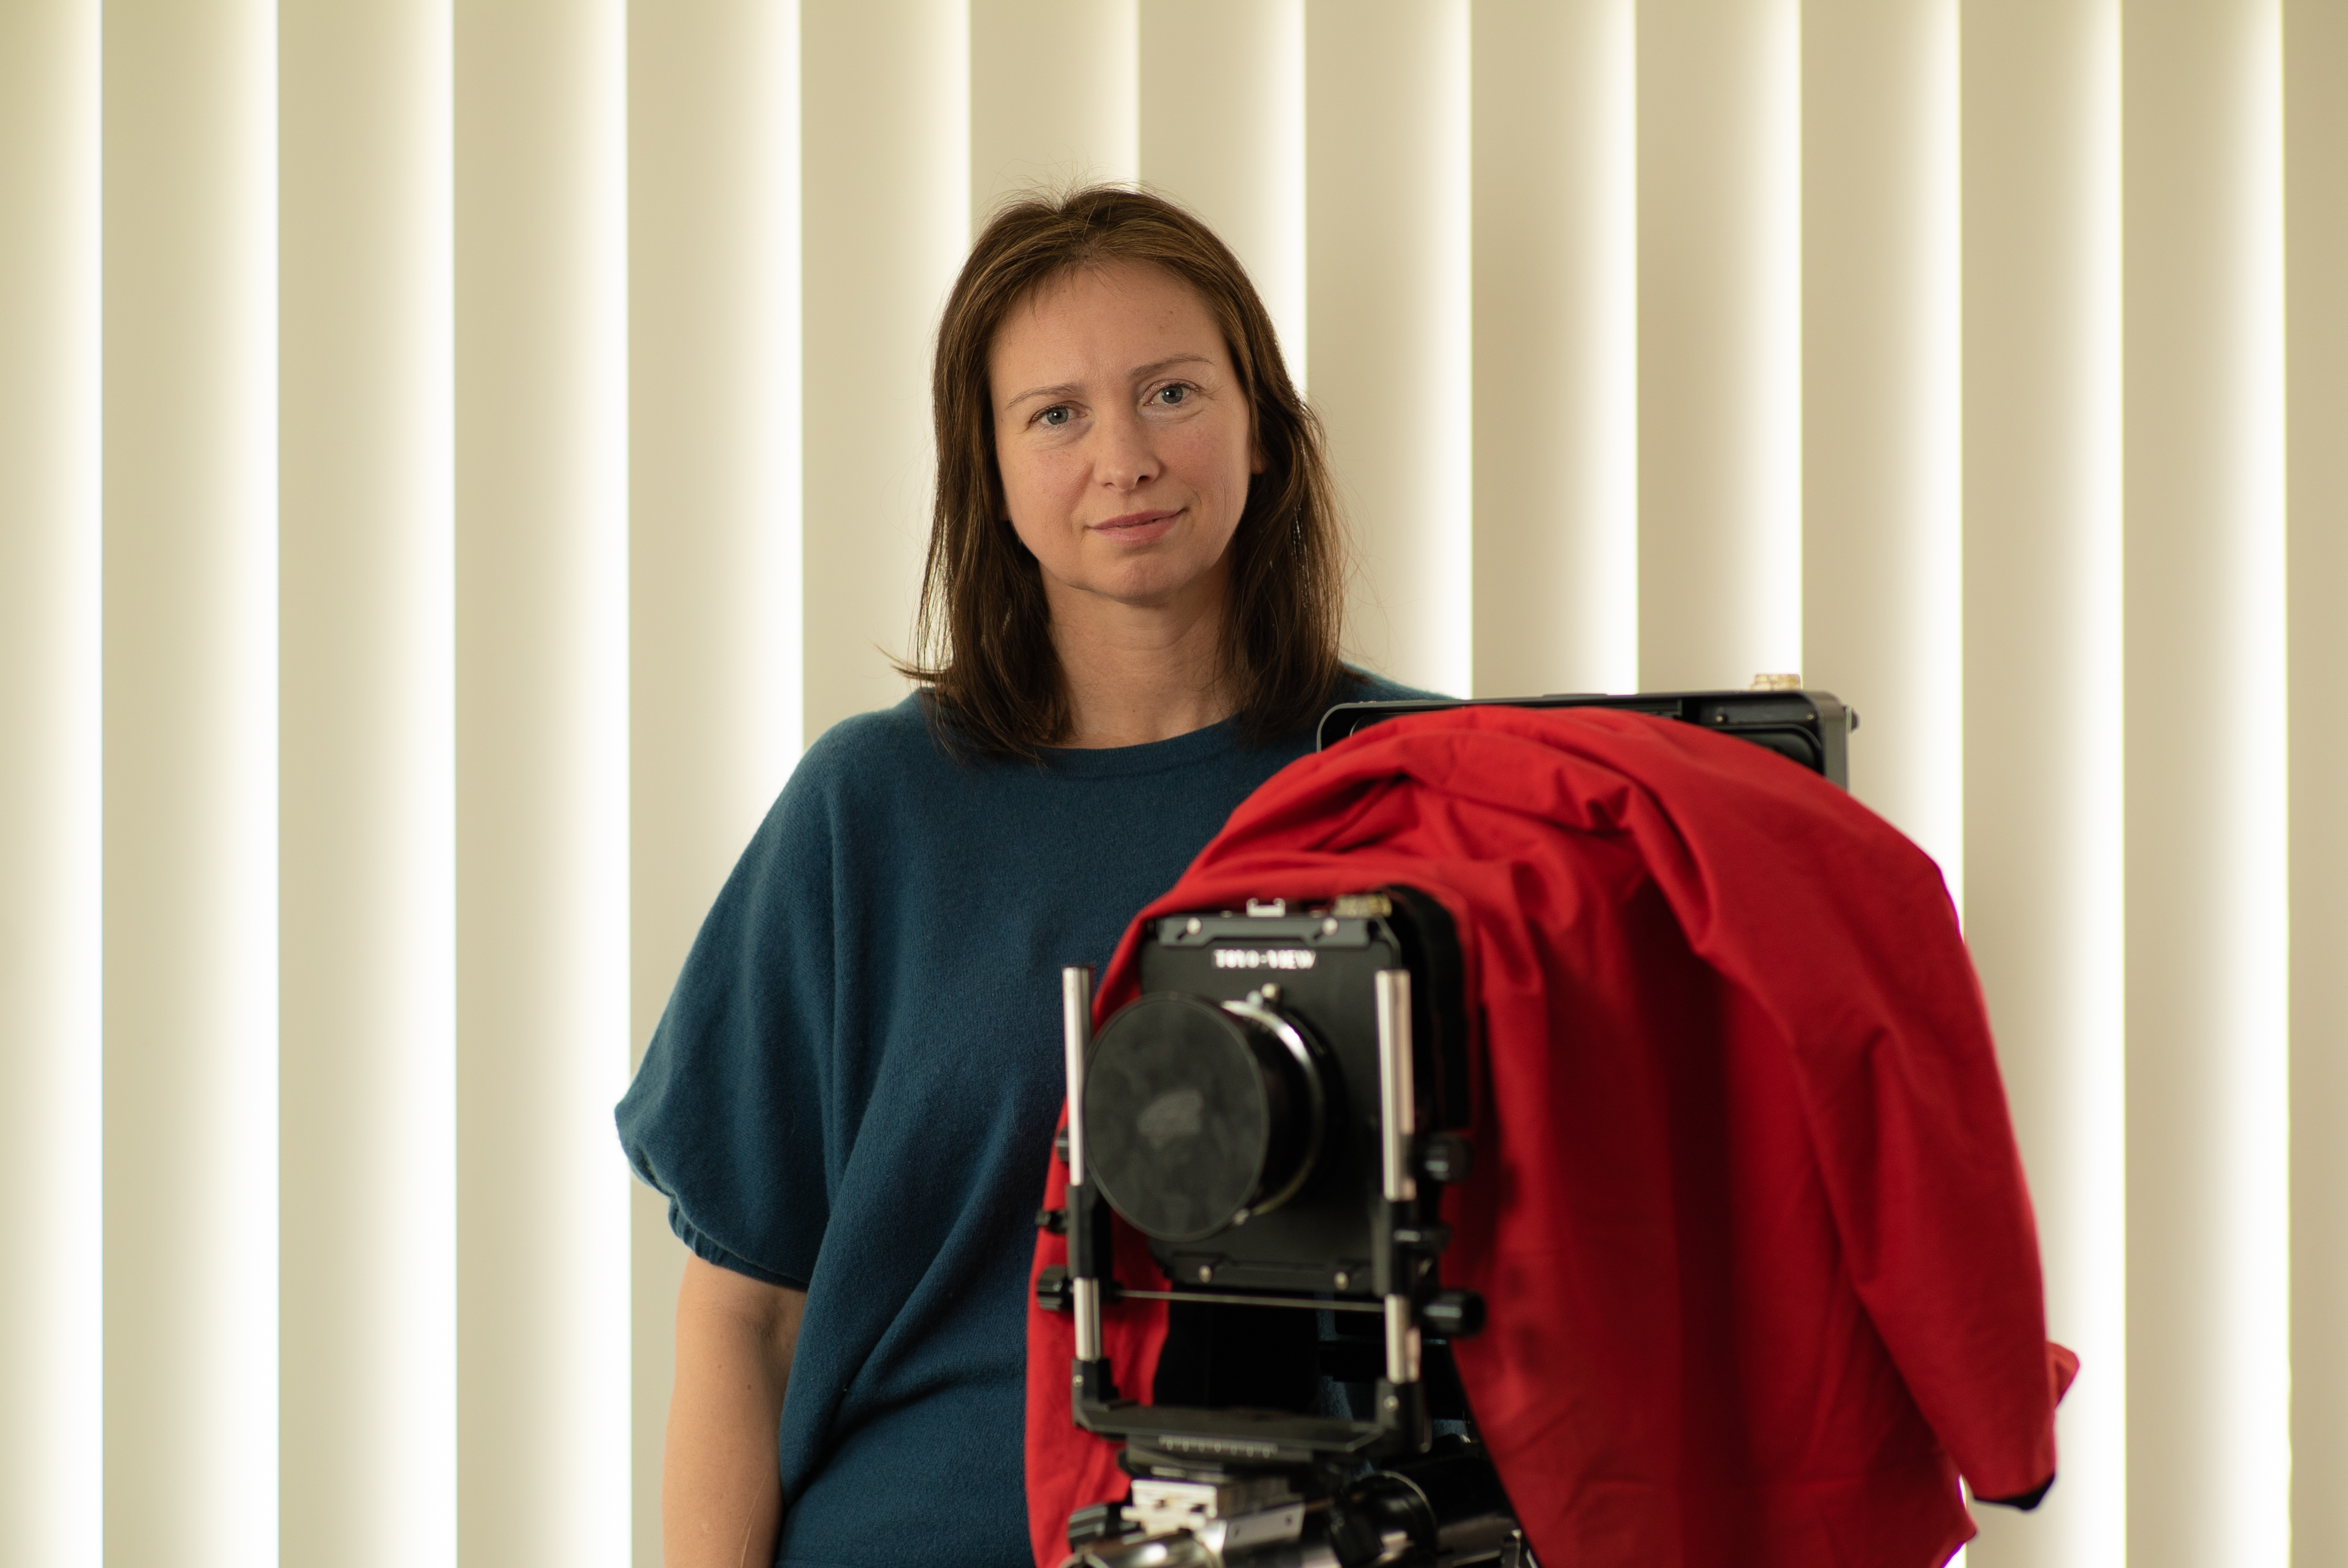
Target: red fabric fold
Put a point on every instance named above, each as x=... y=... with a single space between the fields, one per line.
x=1748 y=1210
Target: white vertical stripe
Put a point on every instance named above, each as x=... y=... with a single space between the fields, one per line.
x=2094 y=1157
x=2315 y=210
x=2042 y=691
x=2256 y=1341
x=1222 y=132
x=714 y=536
x=1054 y=97
x=1936 y=490
x=366 y=575
x=190 y=470
x=1882 y=594
x=1555 y=346
x=1772 y=310
x=1720 y=373
x=2206 y=925
x=541 y=154
x=51 y=1353
x=1385 y=107
x=885 y=123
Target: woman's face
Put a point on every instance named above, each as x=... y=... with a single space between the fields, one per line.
x=1123 y=437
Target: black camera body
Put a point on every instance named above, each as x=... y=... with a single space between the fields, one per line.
x=1279 y=1113
x=1811 y=728
x=1263 y=1026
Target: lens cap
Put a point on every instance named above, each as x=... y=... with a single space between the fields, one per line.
x=1194 y=1113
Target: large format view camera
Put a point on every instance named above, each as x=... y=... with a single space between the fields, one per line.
x=1279 y=1113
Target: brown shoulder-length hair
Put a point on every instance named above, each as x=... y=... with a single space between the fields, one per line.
x=982 y=640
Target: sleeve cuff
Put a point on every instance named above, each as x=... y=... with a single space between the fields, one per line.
x=710 y=1251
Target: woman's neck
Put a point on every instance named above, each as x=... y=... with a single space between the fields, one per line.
x=1137 y=673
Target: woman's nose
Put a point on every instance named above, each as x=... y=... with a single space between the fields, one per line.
x=1125 y=459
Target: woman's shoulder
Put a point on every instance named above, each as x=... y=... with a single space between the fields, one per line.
x=863 y=762
x=886 y=738
x=866 y=771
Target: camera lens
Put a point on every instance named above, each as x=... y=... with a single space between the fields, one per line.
x=1194 y=1113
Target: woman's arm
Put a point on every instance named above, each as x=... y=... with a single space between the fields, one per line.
x=721 y=1487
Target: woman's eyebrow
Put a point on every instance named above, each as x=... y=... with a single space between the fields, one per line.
x=1066 y=389
x=1154 y=366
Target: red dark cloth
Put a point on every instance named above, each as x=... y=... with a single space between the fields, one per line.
x=1747 y=1211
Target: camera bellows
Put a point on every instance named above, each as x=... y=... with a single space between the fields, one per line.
x=1199 y=1115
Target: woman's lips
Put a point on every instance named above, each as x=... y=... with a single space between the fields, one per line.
x=1138 y=528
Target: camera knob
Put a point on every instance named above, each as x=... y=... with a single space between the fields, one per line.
x=1447 y=1157
x=1052 y=1292
x=1453 y=1314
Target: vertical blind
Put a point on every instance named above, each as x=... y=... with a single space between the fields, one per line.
x=455 y=453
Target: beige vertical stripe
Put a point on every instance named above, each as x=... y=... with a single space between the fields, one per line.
x=1881 y=589
x=1054 y=90
x=2042 y=691
x=1385 y=104
x=2208 y=1331
x=51 y=1226
x=1720 y=373
x=1222 y=132
x=713 y=646
x=541 y=781
x=2315 y=210
x=366 y=1088
x=1556 y=242
x=886 y=140
x=190 y=889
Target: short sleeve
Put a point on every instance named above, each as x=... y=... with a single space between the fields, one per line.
x=728 y=1114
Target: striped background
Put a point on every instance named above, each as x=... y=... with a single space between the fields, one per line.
x=453 y=453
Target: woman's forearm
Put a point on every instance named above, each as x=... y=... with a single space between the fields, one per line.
x=721 y=1487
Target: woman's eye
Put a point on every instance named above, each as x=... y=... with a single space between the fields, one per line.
x=1059 y=414
x=1168 y=396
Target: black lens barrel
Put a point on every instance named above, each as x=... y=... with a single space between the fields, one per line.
x=1198 y=1116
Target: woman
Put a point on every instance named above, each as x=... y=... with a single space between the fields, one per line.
x=1131 y=619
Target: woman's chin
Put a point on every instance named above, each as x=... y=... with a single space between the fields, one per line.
x=1151 y=585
